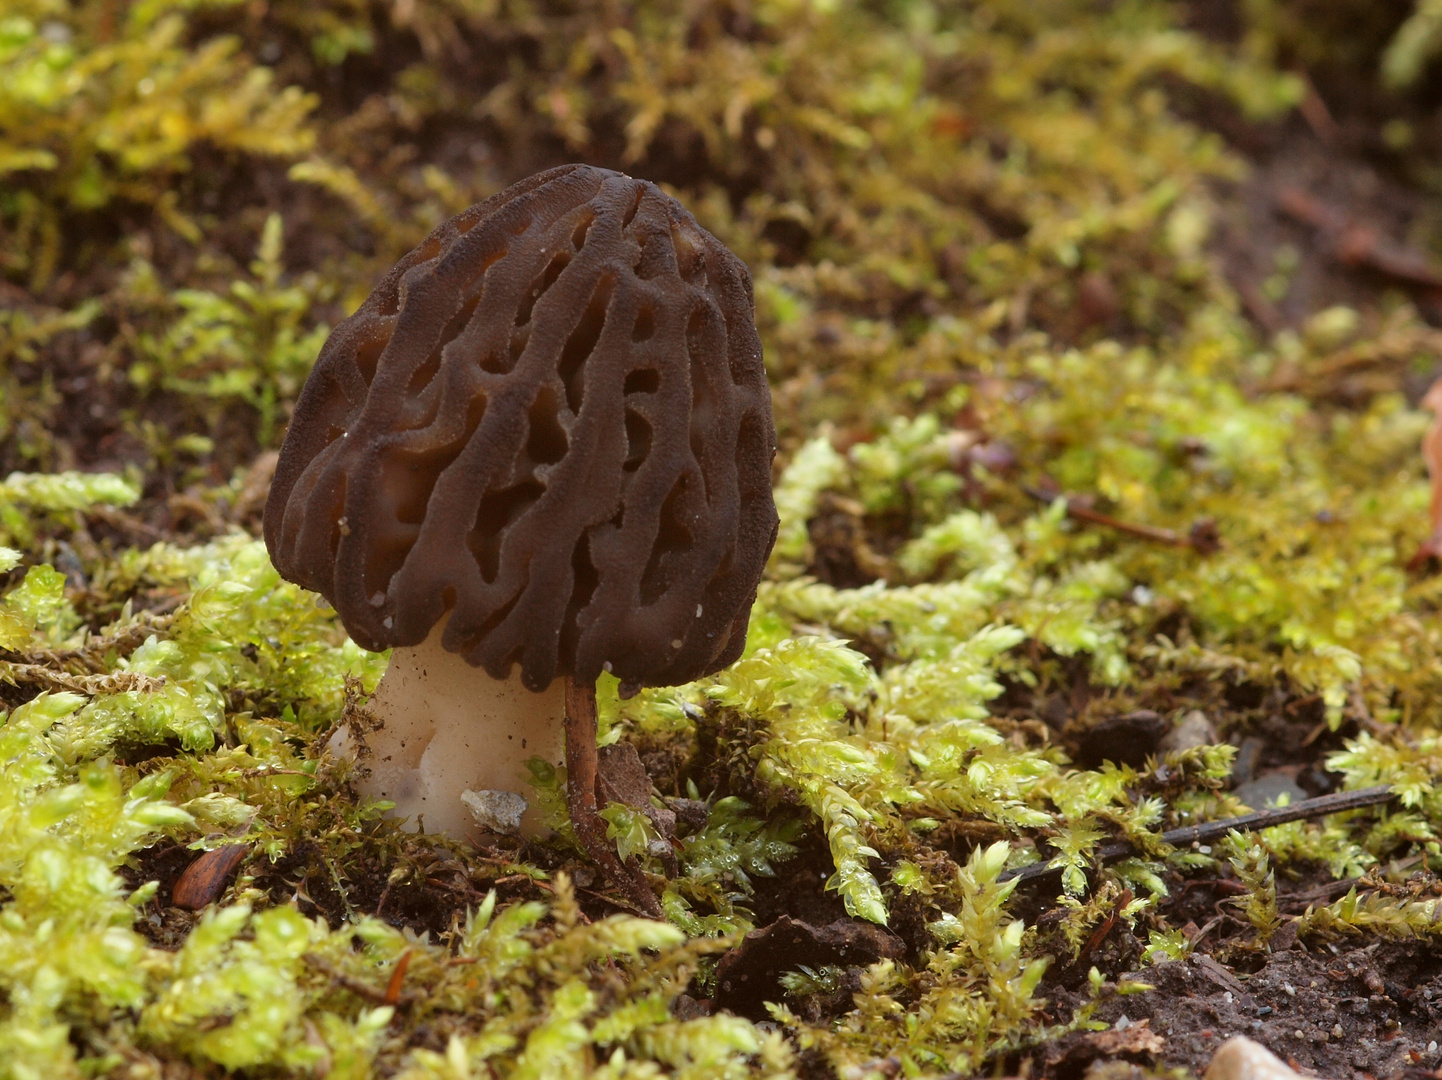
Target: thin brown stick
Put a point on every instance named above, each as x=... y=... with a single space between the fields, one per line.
x=398 y=978
x=122 y=521
x=1357 y=244
x=120 y=682
x=359 y=987
x=1314 y=110
x=1188 y=835
x=93 y=653
x=581 y=798
x=1202 y=537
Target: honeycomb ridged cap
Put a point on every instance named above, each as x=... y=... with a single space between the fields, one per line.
x=549 y=425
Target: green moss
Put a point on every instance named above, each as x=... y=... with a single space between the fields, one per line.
x=924 y=192
x=112 y=109
x=251 y=345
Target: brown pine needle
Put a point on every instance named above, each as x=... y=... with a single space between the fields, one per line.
x=1188 y=835
x=398 y=978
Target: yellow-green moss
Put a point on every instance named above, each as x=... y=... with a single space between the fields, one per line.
x=921 y=190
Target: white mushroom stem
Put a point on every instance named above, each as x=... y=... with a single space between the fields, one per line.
x=447 y=728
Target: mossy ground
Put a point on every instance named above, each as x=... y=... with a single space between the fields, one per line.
x=1004 y=252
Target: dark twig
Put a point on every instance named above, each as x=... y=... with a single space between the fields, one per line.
x=1188 y=835
x=92 y=655
x=1314 y=110
x=123 y=522
x=385 y=895
x=1324 y=893
x=119 y=682
x=581 y=774
x=1359 y=245
x=1263 y=312
x=1108 y=923
x=359 y=987
x=1202 y=537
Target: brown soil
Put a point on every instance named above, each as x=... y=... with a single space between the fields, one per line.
x=1334 y=1010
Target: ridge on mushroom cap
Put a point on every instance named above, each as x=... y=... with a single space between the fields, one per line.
x=551 y=420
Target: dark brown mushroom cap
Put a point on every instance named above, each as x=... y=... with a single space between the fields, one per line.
x=551 y=419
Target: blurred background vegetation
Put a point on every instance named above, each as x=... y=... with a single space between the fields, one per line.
x=1017 y=262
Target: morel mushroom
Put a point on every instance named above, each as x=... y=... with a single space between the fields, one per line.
x=543 y=442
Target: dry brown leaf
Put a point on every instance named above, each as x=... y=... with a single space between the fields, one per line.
x=1137 y=1038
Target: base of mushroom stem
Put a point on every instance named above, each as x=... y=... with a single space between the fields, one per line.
x=450 y=743
x=582 y=796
